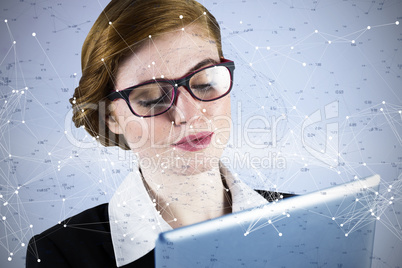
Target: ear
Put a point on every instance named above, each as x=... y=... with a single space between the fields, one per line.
x=112 y=124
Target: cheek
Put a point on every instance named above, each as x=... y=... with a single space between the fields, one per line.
x=221 y=121
x=136 y=132
x=144 y=134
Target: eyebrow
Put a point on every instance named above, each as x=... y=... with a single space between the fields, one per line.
x=201 y=64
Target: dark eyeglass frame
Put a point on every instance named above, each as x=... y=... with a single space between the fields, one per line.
x=176 y=83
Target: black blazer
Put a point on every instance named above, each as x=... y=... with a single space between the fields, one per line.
x=84 y=240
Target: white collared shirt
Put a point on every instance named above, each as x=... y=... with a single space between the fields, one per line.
x=135 y=223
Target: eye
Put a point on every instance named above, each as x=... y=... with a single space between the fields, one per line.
x=151 y=103
x=203 y=87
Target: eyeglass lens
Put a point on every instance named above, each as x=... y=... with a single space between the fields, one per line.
x=156 y=98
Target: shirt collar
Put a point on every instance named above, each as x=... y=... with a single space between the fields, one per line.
x=135 y=223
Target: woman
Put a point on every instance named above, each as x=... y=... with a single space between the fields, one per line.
x=154 y=81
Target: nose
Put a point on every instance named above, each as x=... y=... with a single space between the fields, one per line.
x=185 y=107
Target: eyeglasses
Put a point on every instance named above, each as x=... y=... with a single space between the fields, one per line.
x=157 y=96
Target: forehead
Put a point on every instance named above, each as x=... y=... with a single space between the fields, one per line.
x=170 y=55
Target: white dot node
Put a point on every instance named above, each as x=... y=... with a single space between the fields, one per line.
x=333 y=218
x=150 y=36
x=4 y=218
x=102 y=59
x=292 y=47
x=15 y=42
x=397 y=22
x=33 y=34
x=251 y=64
x=383 y=102
x=181 y=17
x=346 y=235
x=110 y=23
x=378 y=218
x=364 y=164
x=5 y=21
x=347 y=117
x=75 y=74
x=353 y=41
x=256 y=48
x=175 y=219
x=191 y=126
x=16 y=192
x=65 y=225
x=280 y=234
x=182 y=29
x=22 y=244
x=22 y=92
x=381 y=109
x=5 y=204
x=316 y=31
x=162 y=76
x=30 y=226
x=368 y=27
x=400 y=112
x=390 y=202
x=268 y=48
x=49 y=153
x=205 y=13
x=204 y=110
x=10 y=259
x=341 y=224
x=153 y=77
x=329 y=41
x=11 y=254
x=38 y=260
x=241 y=22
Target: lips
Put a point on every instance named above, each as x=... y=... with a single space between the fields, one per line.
x=195 y=142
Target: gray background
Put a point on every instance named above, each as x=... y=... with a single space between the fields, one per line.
x=293 y=58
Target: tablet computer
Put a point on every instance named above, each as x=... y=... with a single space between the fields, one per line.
x=333 y=227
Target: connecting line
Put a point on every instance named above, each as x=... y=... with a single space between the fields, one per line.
x=47 y=57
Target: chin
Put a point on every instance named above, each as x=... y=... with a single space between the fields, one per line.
x=191 y=163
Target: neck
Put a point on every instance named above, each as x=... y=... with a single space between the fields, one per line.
x=186 y=199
